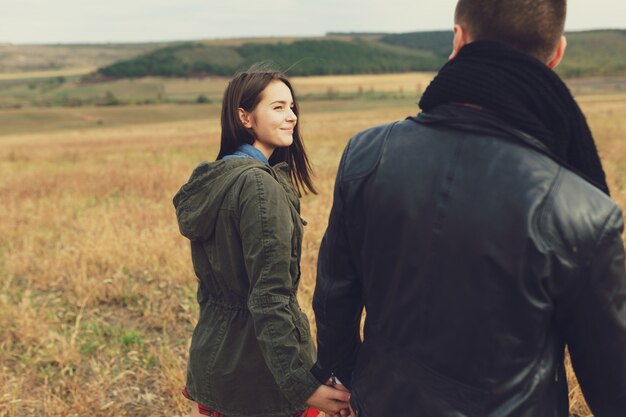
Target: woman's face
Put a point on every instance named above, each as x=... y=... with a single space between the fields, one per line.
x=272 y=121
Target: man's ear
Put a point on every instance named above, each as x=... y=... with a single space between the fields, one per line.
x=245 y=118
x=461 y=38
x=559 y=53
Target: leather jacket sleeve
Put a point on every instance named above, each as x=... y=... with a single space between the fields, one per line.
x=593 y=321
x=337 y=300
x=265 y=228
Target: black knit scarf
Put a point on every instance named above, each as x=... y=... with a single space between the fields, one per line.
x=525 y=93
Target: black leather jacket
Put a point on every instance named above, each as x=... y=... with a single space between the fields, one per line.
x=478 y=258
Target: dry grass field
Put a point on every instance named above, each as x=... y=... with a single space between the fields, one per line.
x=26 y=90
x=69 y=72
x=97 y=293
x=19 y=59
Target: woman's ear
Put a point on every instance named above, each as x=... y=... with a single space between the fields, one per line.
x=559 y=53
x=245 y=118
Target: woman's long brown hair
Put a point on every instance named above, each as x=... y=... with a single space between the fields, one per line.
x=244 y=91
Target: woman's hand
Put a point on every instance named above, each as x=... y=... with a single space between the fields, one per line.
x=329 y=400
x=344 y=412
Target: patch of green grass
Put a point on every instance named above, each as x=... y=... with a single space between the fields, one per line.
x=89 y=347
x=130 y=338
x=96 y=336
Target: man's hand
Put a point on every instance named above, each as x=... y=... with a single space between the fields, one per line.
x=330 y=400
x=345 y=412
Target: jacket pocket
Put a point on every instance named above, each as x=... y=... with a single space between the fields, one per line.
x=393 y=383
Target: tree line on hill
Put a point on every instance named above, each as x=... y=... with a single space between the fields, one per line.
x=589 y=53
x=307 y=57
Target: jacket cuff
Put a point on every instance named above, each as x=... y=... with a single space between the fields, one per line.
x=344 y=375
x=319 y=373
x=299 y=386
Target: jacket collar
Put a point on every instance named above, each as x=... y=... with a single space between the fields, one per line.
x=250 y=151
x=479 y=120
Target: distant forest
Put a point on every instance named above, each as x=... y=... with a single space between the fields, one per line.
x=298 y=58
x=600 y=53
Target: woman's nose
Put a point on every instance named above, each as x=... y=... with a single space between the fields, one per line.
x=291 y=115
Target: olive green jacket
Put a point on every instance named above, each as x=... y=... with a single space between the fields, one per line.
x=251 y=351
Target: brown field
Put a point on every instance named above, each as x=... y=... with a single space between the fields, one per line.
x=44 y=90
x=63 y=57
x=34 y=90
x=97 y=293
x=69 y=72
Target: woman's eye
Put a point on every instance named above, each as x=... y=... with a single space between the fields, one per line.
x=278 y=108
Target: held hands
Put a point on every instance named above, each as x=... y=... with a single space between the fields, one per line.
x=344 y=412
x=332 y=400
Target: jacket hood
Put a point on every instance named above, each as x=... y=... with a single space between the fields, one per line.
x=198 y=202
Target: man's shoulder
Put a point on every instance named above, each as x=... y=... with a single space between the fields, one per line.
x=377 y=134
x=576 y=214
x=365 y=148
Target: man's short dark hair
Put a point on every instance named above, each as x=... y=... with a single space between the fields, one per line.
x=530 y=26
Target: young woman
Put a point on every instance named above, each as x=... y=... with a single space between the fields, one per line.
x=251 y=351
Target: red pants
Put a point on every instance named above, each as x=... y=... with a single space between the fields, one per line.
x=310 y=412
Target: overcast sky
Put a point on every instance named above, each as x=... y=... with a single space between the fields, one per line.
x=74 y=21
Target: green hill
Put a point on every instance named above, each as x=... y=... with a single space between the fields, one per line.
x=589 y=53
x=594 y=53
x=601 y=53
x=304 y=57
x=439 y=42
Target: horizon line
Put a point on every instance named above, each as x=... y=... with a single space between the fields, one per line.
x=234 y=38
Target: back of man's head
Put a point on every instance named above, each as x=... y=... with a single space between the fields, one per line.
x=530 y=26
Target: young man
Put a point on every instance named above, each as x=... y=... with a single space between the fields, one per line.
x=480 y=238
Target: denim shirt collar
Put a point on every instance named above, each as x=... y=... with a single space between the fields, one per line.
x=248 y=151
